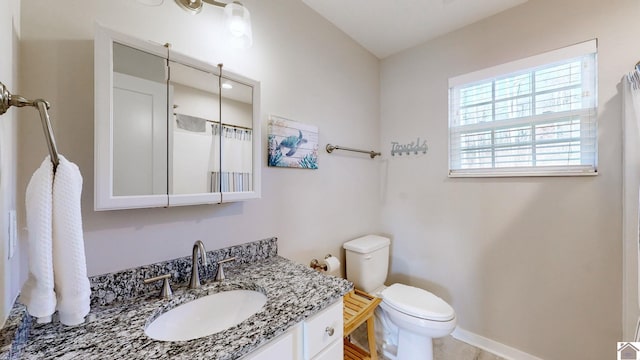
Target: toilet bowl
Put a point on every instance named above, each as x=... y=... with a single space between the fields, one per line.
x=408 y=318
x=413 y=318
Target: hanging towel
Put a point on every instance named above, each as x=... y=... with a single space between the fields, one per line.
x=56 y=245
x=38 y=293
x=69 y=263
x=191 y=123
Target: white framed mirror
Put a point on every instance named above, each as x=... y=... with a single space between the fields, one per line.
x=171 y=130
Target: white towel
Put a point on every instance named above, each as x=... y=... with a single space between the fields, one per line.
x=56 y=245
x=38 y=293
x=69 y=264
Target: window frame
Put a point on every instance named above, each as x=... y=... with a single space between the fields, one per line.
x=585 y=117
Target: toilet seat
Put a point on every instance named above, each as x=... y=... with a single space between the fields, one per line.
x=417 y=302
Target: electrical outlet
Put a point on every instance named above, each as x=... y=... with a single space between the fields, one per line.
x=13 y=236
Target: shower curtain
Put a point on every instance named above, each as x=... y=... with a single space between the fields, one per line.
x=214 y=159
x=630 y=205
x=189 y=172
x=237 y=152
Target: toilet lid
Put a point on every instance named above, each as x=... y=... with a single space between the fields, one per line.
x=417 y=302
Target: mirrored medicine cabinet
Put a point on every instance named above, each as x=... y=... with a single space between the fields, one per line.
x=171 y=130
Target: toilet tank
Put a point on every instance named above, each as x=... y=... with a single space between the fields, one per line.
x=367 y=261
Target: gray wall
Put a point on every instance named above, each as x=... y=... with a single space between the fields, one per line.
x=309 y=72
x=533 y=263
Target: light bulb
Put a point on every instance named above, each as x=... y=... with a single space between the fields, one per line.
x=238 y=24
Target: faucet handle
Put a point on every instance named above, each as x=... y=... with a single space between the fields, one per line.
x=220 y=273
x=165 y=292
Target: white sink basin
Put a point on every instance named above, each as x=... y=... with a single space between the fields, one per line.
x=206 y=315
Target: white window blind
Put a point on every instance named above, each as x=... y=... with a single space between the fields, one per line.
x=532 y=117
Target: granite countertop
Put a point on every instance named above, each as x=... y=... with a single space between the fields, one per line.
x=116 y=331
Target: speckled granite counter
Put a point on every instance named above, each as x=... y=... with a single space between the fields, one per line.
x=15 y=332
x=116 y=330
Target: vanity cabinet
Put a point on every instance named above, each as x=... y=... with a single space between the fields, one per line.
x=317 y=338
x=283 y=347
x=171 y=130
x=334 y=351
x=323 y=334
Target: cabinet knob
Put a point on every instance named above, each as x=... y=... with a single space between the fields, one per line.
x=329 y=330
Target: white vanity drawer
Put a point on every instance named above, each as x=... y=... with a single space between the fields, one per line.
x=281 y=348
x=333 y=352
x=322 y=329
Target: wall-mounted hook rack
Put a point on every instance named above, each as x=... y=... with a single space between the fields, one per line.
x=414 y=147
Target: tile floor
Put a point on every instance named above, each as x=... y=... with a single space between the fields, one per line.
x=446 y=348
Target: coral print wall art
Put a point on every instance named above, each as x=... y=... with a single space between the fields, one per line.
x=292 y=144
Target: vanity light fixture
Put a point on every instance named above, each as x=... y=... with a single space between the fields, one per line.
x=237 y=19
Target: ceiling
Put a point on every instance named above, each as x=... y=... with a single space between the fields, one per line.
x=386 y=27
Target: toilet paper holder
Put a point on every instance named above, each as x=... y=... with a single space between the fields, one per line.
x=317 y=265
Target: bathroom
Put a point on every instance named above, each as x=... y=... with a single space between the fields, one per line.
x=529 y=263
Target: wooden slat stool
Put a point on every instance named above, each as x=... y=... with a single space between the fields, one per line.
x=358 y=308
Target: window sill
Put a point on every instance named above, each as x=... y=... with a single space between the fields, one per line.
x=495 y=173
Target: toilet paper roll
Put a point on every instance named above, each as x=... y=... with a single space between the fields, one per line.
x=332 y=263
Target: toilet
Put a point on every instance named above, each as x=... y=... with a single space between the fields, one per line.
x=408 y=318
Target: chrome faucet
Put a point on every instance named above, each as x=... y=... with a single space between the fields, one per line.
x=195 y=277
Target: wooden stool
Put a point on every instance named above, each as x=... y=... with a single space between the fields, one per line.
x=358 y=308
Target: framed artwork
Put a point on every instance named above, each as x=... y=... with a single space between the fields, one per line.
x=292 y=144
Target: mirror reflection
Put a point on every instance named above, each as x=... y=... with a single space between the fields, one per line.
x=195 y=135
x=139 y=122
x=211 y=145
x=170 y=129
x=236 y=137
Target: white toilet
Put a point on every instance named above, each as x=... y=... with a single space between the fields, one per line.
x=408 y=317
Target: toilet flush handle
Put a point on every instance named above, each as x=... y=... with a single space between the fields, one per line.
x=368 y=257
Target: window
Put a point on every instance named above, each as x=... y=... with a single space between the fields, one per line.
x=531 y=117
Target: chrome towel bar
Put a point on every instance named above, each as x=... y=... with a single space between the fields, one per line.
x=8 y=100
x=372 y=154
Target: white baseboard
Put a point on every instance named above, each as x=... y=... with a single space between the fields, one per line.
x=491 y=346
